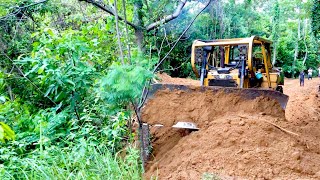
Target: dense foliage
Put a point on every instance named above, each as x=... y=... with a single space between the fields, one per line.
x=66 y=96
x=72 y=73
x=289 y=24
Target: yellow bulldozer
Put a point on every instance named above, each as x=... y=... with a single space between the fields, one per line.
x=234 y=64
x=242 y=66
x=241 y=62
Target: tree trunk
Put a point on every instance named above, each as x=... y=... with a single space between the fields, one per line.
x=221 y=22
x=10 y=92
x=275 y=30
x=305 y=30
x=296 y=49
x=139 y=33
x=127 y=33
x=274 y=57
x=118 y=32
x=140 y=39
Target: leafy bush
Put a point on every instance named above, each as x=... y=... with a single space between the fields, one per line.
x=71 y=109
x=124 y=83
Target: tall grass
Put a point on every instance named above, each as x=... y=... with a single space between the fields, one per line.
x=80 y=162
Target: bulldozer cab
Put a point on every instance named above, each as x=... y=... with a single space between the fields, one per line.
x=240 y=62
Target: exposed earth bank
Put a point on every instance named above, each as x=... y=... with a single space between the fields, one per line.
x=238 y=139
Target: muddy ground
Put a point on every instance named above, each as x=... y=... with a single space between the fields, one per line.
x=238 y=139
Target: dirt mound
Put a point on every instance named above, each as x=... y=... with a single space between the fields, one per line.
x=201 y=107
x=238 y=139
x=246 y=147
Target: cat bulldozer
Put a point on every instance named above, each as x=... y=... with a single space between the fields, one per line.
x=240 y=65
x=234 y=64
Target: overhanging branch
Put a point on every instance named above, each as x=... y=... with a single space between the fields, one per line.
x=168 y=18
x=19 y=9
x=109 y=10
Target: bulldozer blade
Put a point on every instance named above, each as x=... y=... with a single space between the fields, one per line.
x=247 y=93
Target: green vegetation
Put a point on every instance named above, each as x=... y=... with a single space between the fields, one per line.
x=82 y=161
x=73 y=72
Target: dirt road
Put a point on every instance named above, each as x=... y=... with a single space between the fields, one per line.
x=302 y=105
x=242 y=142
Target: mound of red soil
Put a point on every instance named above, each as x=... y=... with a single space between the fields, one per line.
x=233 y=146
x=169 y=107
x=238 y=138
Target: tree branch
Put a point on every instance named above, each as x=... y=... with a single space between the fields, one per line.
x=127 y=33
x=187 y=28
x=168 y=18
x=109 y=10
x=118 y=31
x=33 y=4
x=19 y=9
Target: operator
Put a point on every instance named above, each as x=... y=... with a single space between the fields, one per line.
x=310 y=73
x=259 y=77
x=301 y=75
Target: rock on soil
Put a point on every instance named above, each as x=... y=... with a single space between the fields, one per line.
x=238 y=138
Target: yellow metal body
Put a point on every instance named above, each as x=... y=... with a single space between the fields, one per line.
x=254 y=46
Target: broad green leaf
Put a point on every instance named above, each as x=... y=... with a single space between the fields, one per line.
x=32 y=70
x=70 y=82
x=2 y=99
x=61 y=95
x=41 y=69
x=49 y=31
x=34 y=34
x=8 y=132
x=1 y=134
x=49 y=90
